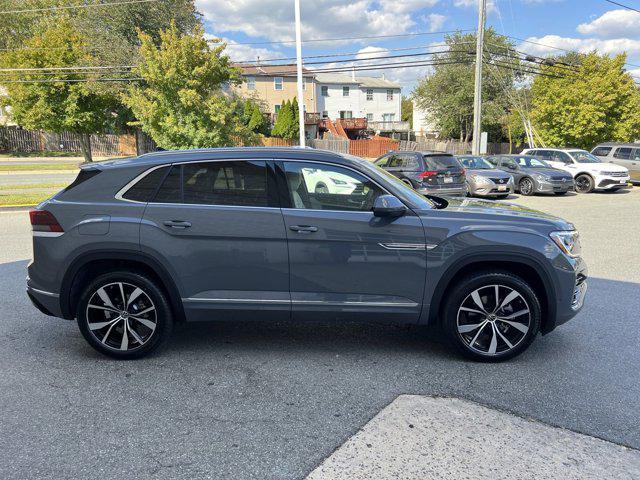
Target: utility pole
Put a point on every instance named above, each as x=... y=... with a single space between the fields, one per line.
x=299 y=64
x=477 y=95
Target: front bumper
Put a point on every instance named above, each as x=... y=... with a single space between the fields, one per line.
x=608 y=183
x=554 y=187
x=490 y=190
x=572 y=294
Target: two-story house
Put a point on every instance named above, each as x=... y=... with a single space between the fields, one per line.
x=343 y=96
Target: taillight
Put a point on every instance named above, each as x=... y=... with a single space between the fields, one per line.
x=44 y=221
x=427 y=174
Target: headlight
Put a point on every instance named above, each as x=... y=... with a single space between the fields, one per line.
x=540 y=177
x=568 y=242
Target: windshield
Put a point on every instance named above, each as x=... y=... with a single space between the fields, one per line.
x=582 y=156
x=410 y=193
x=530 y=162
x=475 y=163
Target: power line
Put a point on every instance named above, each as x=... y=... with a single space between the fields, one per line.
x=623 y=6
x=75 y=80
x=336 y=39
x=39 y=69
x=69 y=7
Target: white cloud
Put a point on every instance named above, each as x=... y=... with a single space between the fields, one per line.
x=273 y=19
x=491 y=6
x=435 y=21
x=613 y=24
x=545 y=45
x=635 y=73
x=406 y=5
x=244 y=53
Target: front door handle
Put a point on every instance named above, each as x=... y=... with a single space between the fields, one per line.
x=303 y=228
x=180 y=224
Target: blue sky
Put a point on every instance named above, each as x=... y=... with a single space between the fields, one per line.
x=581 y=25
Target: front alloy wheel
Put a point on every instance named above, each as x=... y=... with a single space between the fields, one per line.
x=492 y=316
x=124 y=315
x=526 y=186
x=584 y=184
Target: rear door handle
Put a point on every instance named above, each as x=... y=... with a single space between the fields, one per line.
x=303 y=228
x=180 y=224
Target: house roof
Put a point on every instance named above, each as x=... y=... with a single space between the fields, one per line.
x=367 y=82
x=273 y=70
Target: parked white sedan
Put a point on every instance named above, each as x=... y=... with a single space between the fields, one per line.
x=319 y=181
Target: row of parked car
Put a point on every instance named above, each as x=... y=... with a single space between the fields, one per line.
x=548 y=170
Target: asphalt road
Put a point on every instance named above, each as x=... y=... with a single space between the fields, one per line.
x=271 y=401
x=28 y=178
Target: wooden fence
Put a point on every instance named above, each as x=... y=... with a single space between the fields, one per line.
x=103 y=145
x=335 y=144
x=455 y=147
x=372 y=148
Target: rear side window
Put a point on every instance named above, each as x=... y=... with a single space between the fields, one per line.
x=441 y=162
x=410 y=162
x=623 y=153
x=216 y=183
x=146 y=186
x=601 y=151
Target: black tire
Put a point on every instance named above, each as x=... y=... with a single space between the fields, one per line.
x=584 y=183
x=477 y=344
x=526 y=187
x=151 y=302
x=560 y=193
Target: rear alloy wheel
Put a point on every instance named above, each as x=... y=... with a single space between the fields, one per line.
x=526 y=186
x=584 y=184
x=492 y=316
x=124 y=315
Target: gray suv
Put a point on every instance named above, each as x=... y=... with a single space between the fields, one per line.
x=135 y=245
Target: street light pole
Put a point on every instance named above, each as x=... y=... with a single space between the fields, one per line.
x=299 y=65
x=477 y=94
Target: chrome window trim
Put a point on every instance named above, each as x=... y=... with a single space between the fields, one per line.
x=128 y=186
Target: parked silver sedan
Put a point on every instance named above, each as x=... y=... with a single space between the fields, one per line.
x=484 y=180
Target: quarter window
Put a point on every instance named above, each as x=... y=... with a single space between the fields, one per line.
x=328 y=187
x=146 y=186
x=277 y=83
x=239 y=183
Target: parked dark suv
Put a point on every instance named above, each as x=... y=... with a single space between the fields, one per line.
x=135 y=245
x=429 y=173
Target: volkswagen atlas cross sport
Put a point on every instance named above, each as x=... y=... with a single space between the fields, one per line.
x=135 y=245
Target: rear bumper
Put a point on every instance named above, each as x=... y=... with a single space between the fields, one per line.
x=47 y=302
x=454 y=191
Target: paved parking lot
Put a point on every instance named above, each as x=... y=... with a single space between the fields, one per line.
x=274 y=400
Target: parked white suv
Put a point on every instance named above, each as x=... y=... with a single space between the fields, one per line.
x=589 y=172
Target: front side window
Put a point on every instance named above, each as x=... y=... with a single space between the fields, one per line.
x=531 y=162
x=277 y=83
x=238 y=183
x=345 y=91
x=317 y=186
x=390 y=94
x=601 y=151
x=369 y=94
x=509 y=163
x=251 y=83
x=324 y=91
x=560 y=157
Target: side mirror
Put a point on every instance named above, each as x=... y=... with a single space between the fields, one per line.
x=388 y=206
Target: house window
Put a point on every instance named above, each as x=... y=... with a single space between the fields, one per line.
x=346 y=114
x=388 y=117
x=369 y=94
x=278 y=108
x=324 y=91
x=277 y=83
x=369 y=117
x=390 y=94
x=304 y=83
x=345 y=91
x=251 y=83
x=325 y=114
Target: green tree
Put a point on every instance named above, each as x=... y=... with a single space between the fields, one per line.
x=293 y=130
x=184 y=101
x=407 y=110
x=257 y=122
x=598 y=102
x=283 y=123
x=447 y=94
x=76 y=104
